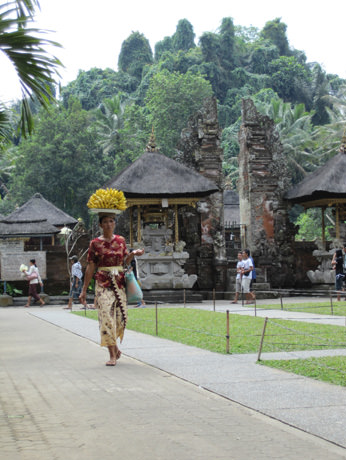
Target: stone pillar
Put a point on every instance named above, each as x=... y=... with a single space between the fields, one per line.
x=200 y=149
x=263 y=180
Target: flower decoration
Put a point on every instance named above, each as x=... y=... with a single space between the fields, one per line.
x=107 y=199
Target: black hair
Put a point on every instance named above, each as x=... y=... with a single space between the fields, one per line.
x=338 y=253
x=105 y=215
x=33 y=261
x=247 y=252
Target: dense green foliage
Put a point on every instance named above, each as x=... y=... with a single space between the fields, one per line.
x=61 y=160
x=117 y=109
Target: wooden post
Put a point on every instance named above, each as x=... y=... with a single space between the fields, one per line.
x=227 y=331
x=184 y=298
x=176 y=224
x=214 y=299
x=156 y=320
x=262 y=339
x=282 y=307
x=131 y=227
x=323 y=229
x=331 y=302
x=337 y=222
x=139 y=236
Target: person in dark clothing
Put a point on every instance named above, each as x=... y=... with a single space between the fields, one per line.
x=337 y=264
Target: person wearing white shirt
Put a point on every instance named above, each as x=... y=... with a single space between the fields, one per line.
x=240 y=265
x=246 y=277
x=34 y=280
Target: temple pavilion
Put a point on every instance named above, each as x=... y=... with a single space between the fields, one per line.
x=324 y=188
x=156 y=186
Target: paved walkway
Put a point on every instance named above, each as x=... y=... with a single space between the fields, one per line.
x=59 y=401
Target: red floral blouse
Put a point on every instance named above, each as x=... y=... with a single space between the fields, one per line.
x=108 y=254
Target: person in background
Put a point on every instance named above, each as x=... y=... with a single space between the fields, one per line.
x=344 y=251
x=337 y=264
x=246 y=274
x=253 y=274
x=76 y=283
x=33 y=270
x=240 y=265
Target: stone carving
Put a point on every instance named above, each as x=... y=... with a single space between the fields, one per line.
x=200 y=148
x=161 y=267
x=324 y=273
x=263 y=181
x=219 y=246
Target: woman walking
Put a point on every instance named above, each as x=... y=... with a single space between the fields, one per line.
x=107 y=257
x=34 y=280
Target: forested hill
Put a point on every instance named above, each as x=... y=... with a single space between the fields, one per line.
x=105 y=117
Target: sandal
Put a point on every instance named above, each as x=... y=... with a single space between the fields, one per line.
x=26 y=306
x=111 y=362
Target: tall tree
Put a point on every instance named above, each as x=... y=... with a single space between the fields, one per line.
x=135 y=54
x=171 y=99
x=184 y=37
x=227 y=40
x=275 y=31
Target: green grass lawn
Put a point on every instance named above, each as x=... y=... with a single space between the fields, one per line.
x=327 y=369
x=321 y=308
x=207 y=330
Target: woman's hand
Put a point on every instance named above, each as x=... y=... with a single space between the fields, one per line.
x=138 y=252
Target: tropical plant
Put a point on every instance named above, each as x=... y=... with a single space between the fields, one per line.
x=109 y=121
x=36 y=69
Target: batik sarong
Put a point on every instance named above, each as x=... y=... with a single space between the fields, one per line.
x=112 y=313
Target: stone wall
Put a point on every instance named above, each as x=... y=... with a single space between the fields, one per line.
x=263 y=180
x=200 y=149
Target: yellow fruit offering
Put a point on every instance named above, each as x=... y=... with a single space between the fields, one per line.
x=109 y=198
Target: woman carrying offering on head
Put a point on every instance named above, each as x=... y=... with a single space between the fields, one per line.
x=107 y=257
x=34 y=274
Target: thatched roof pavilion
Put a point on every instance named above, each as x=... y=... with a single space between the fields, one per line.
x=26 y=228
x=154 y=183
x=324 y=188
x=154 y=175
x=38 y=208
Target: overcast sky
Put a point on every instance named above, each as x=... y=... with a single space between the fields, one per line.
x=92 y=32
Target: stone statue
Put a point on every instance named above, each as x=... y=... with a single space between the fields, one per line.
x=219 y=245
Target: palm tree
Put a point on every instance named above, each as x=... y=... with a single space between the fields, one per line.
x=109 y=119
x=36 y=69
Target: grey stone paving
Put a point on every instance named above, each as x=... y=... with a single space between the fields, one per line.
x=58 y=400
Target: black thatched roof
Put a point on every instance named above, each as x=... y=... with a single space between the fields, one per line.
x=155 y=175
x=38 y=227
x=38 y=208
x=328 y=181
